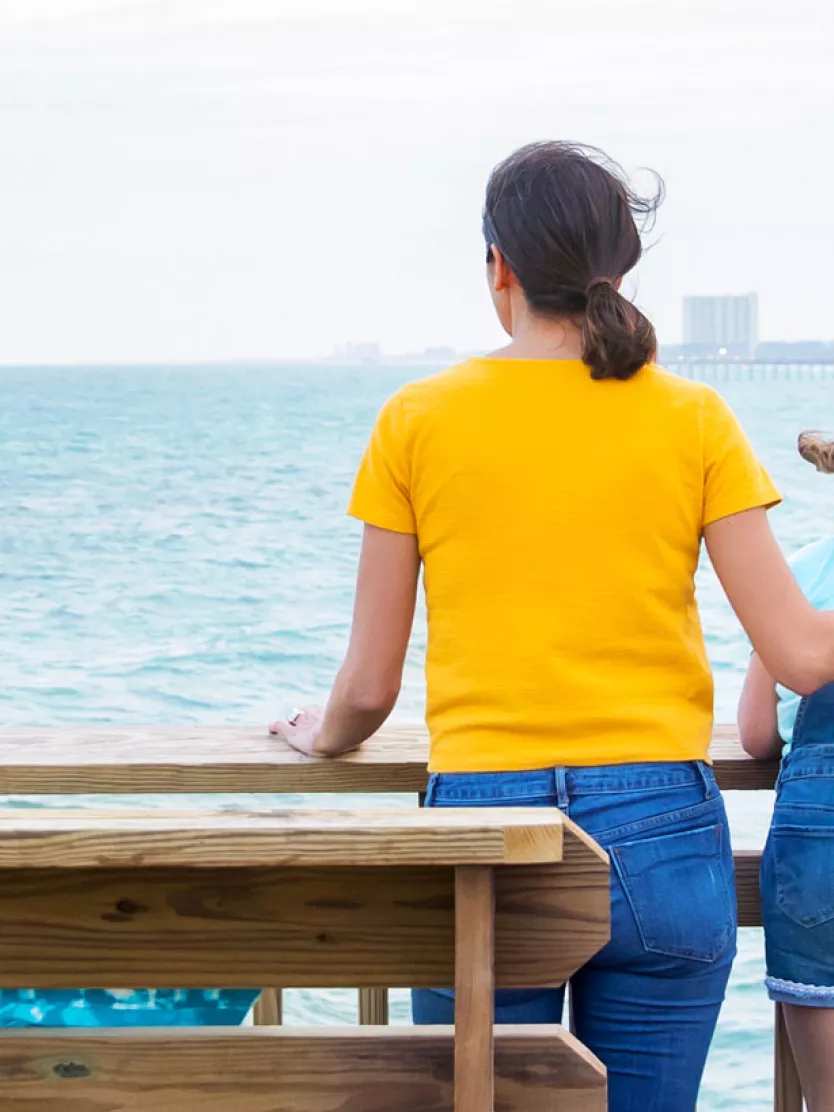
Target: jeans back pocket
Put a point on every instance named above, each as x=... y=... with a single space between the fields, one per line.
x=803 y=861
x=681 y=891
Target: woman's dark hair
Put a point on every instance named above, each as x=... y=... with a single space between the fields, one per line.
x=566 y=221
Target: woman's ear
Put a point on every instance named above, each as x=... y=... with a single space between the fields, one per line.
x=500 y=275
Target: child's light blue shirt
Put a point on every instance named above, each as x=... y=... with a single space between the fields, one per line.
x=813 y=567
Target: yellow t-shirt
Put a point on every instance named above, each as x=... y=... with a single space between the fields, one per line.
x=559 y=520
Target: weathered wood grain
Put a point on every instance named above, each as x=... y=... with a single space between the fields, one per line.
x=373 y=1007
x=748 y=894
x=474 y=988
x=201 y=759
x=537 y=1069
x=83 y=839
x=358 y=927
x=734 y=770
x=245 y=759
x=269 y=1008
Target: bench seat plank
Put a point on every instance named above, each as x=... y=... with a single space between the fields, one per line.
x=83 y=839
x=537 y=1069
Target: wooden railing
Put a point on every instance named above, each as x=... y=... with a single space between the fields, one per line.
x=220 y=759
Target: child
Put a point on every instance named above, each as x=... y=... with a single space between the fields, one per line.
x=798 y=863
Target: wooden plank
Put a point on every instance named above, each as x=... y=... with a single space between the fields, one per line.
x=316 y=928
x=748 y=863
x=90 y=760
x=787 y=1091
x=474 y=988
x=278 y=1069
x=734 y=770
x=201 y=759
x=82 y=839
x=373 y=1007
x=268 y=1010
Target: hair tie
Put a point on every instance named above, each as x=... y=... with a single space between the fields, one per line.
x=595 y=282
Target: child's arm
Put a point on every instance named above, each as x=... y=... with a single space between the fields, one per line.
x=757 y=723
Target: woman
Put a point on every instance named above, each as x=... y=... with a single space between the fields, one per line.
x=556 y=494
x=797 y=867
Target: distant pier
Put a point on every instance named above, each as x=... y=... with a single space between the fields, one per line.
x=738 y=370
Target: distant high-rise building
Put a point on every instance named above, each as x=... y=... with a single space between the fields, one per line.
x=721 y=325
x=358 y=353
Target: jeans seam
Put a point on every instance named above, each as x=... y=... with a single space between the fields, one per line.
x=796 y=733
x=665 y=818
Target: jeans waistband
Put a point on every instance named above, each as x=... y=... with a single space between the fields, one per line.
x=808 y=759
x=595 y=779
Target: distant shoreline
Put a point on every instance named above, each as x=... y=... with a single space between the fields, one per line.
x=386 y=363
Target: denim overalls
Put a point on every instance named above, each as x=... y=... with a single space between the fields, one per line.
x=798 y=863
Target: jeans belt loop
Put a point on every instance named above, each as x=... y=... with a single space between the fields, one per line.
x=560 y=781
x=707 y=779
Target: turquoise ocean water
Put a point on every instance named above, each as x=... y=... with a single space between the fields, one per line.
x=174 y=549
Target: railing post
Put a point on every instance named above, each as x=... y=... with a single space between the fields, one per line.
x=268 y=1008
x=373 y=1002
x=474 y=988
x=787 y=1092
x=373 y=1007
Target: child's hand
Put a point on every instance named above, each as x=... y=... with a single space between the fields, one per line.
x=817 y=448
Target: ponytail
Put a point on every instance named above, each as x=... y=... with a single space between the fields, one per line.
x=617 y=339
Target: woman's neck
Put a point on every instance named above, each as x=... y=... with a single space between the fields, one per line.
x=537 y=338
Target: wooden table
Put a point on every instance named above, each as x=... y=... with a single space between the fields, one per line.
x=470 y=900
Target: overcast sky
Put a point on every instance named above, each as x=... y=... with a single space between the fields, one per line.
x=190 y=179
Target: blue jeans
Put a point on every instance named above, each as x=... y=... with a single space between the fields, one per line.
x=647 y=1004
x=798 y=863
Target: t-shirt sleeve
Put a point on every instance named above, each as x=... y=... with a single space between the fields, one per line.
x=734 y=479
x=381 y=494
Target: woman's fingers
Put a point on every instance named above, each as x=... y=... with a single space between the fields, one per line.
x=282 y=728
x=300 y=731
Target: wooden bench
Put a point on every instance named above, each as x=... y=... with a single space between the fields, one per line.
x=464 y=899
x=244 y=759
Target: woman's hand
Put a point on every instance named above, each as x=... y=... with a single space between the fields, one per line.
x=301 y=731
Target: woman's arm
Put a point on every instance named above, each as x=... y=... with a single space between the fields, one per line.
x=368 y=682
x=757 y=721
x=794 y=642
